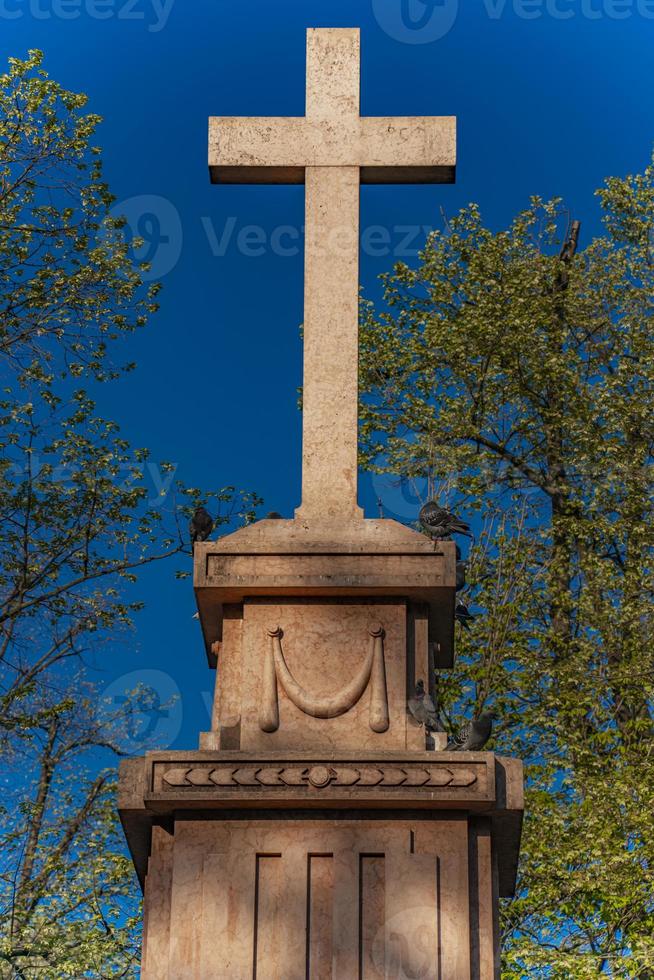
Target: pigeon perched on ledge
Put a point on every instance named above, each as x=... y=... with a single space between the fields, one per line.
x=201 y=526
x=473 y=737
x=440 y=524
x=463 y=615
x=423 y=709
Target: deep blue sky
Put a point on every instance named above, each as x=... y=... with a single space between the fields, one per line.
x=550 y=97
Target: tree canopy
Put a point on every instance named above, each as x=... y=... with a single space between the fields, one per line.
x=514 y=379
x=79 y=520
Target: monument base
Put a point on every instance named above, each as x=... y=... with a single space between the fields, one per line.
x=280 y=866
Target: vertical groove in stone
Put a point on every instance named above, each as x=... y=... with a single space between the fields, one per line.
x=372 y=905
x=439 y=923
x=307 y=954
x=255 y=920
x=474 y=904
x=268 y=915
x=346 y=925
x=484 y=954
x=360 y=915
x=320 y=911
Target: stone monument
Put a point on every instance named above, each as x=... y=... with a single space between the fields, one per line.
x=314 y=834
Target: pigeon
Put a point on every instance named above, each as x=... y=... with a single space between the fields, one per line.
x=440 y=524
x=201 y=525
x=473 y=737
x=463 y=615
x=423 y=709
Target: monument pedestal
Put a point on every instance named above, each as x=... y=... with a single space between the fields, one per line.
x=285 y=866
x=315 y=836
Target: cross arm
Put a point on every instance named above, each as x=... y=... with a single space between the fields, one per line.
x=407 y=150
x=270 y=150
x=257 y=150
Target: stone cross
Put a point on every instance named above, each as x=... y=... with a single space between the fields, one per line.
x=332 y=149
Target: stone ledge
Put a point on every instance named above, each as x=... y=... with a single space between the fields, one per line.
x=165 y=786
x=331 y=560
x=304 y=536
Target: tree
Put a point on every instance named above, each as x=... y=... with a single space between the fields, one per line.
x=79 y=520
x=519 y=376
x=68 y=285
x=69 y=902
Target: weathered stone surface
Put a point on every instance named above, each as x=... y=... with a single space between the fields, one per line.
x=324 y=537
x=395 y=860
x=323 y=648
x=285 y=150
x=313 y=897
x=311 y=559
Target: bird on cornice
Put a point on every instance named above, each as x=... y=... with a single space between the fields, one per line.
x=423 y=709
x=201 y=526
x=440 y=524
x=474 y=736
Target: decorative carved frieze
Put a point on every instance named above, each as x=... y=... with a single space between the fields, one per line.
x=320 y=776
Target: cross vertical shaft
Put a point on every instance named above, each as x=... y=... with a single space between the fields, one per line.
x=331 y=350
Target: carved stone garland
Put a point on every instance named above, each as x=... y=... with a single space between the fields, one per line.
x=276 y=671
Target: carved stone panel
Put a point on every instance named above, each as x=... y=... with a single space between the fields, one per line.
x=433 y=781
x=323 y=674
x=319 y=776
